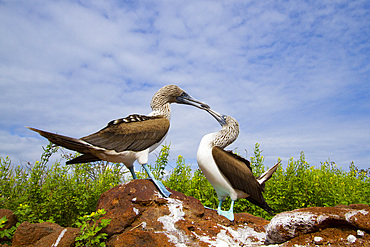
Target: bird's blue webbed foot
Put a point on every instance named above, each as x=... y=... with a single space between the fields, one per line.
x=162 y=189
x=228 y=214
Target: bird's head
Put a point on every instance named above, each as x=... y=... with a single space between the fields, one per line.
x=230 y=128
x=221 y=118
x=174 y=94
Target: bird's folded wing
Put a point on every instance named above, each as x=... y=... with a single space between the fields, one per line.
x=84 y=158
x=65 y=141
x=237 y=170
x=134 y=133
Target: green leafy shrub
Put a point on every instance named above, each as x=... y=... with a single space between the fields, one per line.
x=6 y=233
x=161 y=162
x=90 y=227
x=56 y=193
x=64 y=193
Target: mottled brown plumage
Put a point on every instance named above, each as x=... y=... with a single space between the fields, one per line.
x=239 y=173
x=131 y=138
x=133 y=135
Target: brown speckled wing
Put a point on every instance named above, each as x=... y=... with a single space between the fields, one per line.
x=237 y=170
x=64 y=141
x=134 y=133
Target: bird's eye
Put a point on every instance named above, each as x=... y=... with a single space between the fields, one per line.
x=184 y=94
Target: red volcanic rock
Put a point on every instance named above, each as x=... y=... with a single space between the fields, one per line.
x=138 y=238
x=44 y=234
x=142 y=216
x=321 y=225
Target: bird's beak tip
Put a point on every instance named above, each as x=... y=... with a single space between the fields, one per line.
x=191 y=101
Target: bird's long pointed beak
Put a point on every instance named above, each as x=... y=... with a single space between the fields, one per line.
x=218 y=116
x=188 y=100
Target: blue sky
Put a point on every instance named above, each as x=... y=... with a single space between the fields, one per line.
x=295 y=74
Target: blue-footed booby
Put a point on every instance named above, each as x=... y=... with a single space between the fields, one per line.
x=228 y=173
x=128 y=139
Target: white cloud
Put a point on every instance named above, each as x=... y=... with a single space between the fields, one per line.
x=293 y=74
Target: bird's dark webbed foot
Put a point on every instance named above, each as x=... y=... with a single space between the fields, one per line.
x=162 y=189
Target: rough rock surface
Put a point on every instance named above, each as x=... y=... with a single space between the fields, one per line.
x=140 y=216
x=44 y=234
x=339 y=225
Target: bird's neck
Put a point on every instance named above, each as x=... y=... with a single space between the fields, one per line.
x=160 y=106
x=162 y=111
x=224 y=137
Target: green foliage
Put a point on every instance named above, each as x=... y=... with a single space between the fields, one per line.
x=159 y=168
x=160 y=164
x=12 y=184
x=6 y=233
x=56 y=193
x=63 y=194
x=90 y=226
x=180 y=176
x=257 y=161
